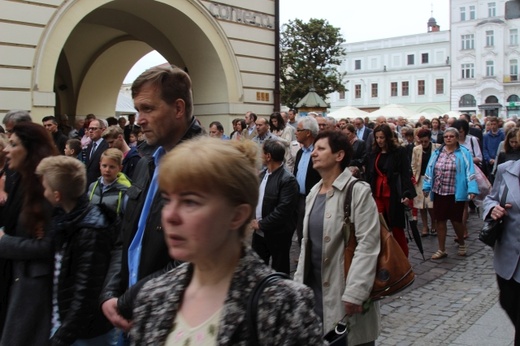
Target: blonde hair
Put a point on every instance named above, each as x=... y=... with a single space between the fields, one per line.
x=113 y=154
x=228 y=168
x=64 y=174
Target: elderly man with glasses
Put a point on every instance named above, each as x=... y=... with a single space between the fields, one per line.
x=94 y=150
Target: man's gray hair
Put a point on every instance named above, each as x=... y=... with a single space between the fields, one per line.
x=102 y=123
x=331 y=120
x=17 y=116
x=309 y=123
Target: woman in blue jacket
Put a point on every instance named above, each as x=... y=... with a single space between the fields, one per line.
x=450 y=180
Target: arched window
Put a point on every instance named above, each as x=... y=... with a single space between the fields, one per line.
x=467 y=101
x=513 y=98
x=491 y=99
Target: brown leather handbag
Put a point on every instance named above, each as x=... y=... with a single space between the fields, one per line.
x=394 y=272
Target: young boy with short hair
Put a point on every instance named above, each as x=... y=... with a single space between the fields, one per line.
x=84 y=236
x=109 y=189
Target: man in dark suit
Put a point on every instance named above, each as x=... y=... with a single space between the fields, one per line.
x=130 y=127
x=276 y=210
x=95 y=149
x=362 y=131
x=306 y=130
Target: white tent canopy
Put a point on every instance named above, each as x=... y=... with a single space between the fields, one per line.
x=348 y=112
x=392 y=111
x=125 y=104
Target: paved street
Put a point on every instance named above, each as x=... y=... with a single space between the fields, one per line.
x=453 y=301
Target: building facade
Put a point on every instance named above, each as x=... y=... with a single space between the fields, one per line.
x=471 y=68
x=71 y=56
x=411 y=70
x=486 y=54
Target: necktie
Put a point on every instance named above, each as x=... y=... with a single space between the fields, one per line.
x=94 y=145
x=134 y=251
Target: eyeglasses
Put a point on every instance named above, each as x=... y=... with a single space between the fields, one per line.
x=449 y=136
x=300 y=130
x=93 y=128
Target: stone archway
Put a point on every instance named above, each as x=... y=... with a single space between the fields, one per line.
x=89 y=46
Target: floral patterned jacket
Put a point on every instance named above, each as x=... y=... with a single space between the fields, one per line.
x=285 y=309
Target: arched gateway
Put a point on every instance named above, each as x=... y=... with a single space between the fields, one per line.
x=71 y=56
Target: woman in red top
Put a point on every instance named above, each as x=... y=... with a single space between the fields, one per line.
x=389 y=175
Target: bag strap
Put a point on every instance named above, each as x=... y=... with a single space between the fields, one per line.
x=252 y=304
x=348 y=199
x=504 y=197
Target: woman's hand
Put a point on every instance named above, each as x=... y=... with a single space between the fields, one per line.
x=405 y=201
x=352 y=309
x=498 y=212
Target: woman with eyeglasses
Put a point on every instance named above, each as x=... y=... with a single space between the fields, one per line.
x=450 y=182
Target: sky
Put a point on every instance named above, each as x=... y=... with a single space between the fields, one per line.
x=359 y=20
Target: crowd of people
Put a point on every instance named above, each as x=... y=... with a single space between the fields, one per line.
x=147 y=231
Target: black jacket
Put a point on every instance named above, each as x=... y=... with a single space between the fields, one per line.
x=312 y=177
x=86 y=236
x=399 y=175
x=92 y=163
x=154 y=253
x=60 y=140
x=280 y=203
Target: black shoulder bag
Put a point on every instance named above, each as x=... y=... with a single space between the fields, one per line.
x=492 y=229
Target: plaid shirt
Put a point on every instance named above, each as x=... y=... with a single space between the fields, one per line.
x=445 y=170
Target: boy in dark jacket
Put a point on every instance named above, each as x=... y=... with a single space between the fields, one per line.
x=83 y=237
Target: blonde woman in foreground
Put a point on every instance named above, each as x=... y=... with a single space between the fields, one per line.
x=209 y=201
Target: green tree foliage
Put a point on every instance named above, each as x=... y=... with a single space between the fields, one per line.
x=310 y=55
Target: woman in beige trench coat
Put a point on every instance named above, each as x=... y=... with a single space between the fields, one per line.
x=321 y=263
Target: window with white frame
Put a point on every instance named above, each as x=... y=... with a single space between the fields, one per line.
x=357 y=64
x=374 y=90
x=424 y=58
x=492 y=9
x=490 y=68
x=490 y=38
x=462 y=14
x=467 y=41
x=468 y=71
x=513 y=69
x=405 y=88
x=357 y=91
x=439 y=86
x=341 y=95
x=472 y=12
x=393 y=89
x=421 y=89
x=411 y=59
x=513 y=37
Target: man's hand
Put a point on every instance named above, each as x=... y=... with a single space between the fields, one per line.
x=110 y=311
x=254 y=224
